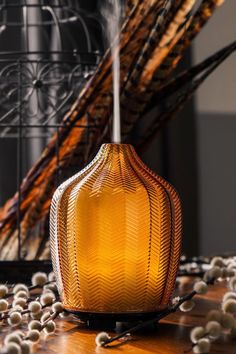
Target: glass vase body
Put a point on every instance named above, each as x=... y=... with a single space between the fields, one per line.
x=115 y=234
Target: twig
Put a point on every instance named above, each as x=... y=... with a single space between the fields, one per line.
x=24 y=312
x=161 y=315
x=32 y=287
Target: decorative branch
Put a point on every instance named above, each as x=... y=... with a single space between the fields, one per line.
x=18 y=342
x=201 y=339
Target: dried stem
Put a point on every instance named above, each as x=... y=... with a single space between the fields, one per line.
x=160 y=316
x=24 y=312
x=32 y=287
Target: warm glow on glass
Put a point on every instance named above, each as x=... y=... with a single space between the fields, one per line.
x=115 y=231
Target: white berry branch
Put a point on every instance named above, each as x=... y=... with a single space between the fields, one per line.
x=33 y=306
x=185 y=303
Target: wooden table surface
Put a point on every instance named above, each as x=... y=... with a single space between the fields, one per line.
x=170 y=336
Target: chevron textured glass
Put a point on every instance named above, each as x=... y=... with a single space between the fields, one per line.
x=115 y=233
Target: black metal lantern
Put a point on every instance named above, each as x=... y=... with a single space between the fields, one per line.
x=48 y=51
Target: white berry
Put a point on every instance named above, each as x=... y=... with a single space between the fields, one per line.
x=21 y=294
x=200 y=287
x=232 y=283
x=227 y=321
x=212 y=274
x=229 y=306
x=101 y=338
x=214 y=315
x=3 y=290
x=12 y=337
x=47 y=299
x=19 y=302
x=36 y=316
x=214 y=329
x=197 y=333
x=12 y=348
x=187 y=306
x=50 y=327
x=3 y=305
x=57 y=307
x=203 y=346
x=39 y=279
x=14 y=319
x=51 y=276
x=229 y=295
x=217 y=261
x=19 y=287
x=25 y=347
x=35 y=325
x=35 y=307
x=33 y=335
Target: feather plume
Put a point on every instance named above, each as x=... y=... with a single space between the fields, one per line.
x=187 y=78
x=152 y=41
x=162 y=64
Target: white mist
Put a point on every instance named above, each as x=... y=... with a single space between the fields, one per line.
x=112 y=12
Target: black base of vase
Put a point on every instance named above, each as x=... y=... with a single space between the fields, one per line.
x=109 y=320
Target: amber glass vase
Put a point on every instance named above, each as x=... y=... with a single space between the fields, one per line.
x=115 y=232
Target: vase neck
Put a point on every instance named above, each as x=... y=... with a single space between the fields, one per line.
x=112 y=148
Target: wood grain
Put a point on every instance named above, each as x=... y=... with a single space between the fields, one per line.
x=171 y=336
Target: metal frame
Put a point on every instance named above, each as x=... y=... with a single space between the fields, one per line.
x=47 y=80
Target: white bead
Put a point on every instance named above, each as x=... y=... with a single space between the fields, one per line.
x=214 y=315
x=21 y=294
x=19 y=302
x=232 y=265
x=229 y=295
x=232 y=283
x=19 y=287
x=50 y=327
x=187 y=306
x=229 y=306
x=3 y=305
x=51 y=276
x=3 y=290
x=230 y=273
x=197 y=333
x=215 y=272
x=214 y=329
x=14 y=319
x=224 y=273
x=16 y=308
x=35 y=325
x=12 y=337
x=12 y=348
x=57 y=307
x=227 y=321
x=25 y=347
x=47 y=299
x=200 y=287
x=203 y=346
x=39 y=279
x=35 y=307
x=36 y=316
x=20 y=333
x=33 y=335
x=217 y=261
x=101 y=338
